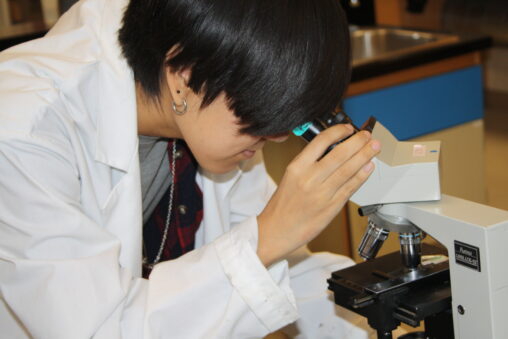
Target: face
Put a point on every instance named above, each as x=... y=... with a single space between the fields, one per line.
x=213 y=135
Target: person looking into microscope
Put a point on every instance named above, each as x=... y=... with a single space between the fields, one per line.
x=134 y=202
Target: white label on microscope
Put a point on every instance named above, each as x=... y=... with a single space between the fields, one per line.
x=419 y=150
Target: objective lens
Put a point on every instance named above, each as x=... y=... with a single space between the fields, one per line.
x=372 y=241
x=411 y=249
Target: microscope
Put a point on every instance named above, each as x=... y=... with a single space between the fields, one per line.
x=458 y=290
x=457 y=286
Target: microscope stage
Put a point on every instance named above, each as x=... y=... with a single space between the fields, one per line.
x=384 y=290
x=387 y=272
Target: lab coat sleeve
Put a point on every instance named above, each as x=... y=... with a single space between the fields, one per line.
x=60 y=274
x=319 y=317
x=271 y=305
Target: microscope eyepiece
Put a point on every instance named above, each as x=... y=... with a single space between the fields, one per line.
x=309 y=130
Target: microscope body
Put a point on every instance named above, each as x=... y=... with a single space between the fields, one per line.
x=470 y=286
x=475 y=237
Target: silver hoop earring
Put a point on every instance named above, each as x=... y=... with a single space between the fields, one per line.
x=184 y=109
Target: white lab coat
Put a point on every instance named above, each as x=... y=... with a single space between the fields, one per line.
x=71 y=218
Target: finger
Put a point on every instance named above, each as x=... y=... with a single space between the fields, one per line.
x=317 y=147
x=342 y=153
x=354 y=165
x=351 y=185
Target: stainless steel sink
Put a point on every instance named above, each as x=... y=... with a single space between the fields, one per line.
x=371 y=44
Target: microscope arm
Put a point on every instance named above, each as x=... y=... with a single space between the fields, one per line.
x=476 y=237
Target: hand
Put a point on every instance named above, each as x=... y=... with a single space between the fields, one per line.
x=313 y=190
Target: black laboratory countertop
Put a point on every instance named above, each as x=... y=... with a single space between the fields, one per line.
x=466 y=43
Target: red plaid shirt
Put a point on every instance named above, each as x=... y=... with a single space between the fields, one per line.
x=186 y=212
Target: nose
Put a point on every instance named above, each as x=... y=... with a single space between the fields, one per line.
x=278 y=138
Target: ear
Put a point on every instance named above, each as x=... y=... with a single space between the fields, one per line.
x=177 y=83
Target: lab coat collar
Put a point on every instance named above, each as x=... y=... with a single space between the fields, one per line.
x=117 y=137
x=223 y=183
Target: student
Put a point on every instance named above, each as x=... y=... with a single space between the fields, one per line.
x=95 y=122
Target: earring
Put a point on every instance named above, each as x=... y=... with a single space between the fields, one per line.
x=183 y=110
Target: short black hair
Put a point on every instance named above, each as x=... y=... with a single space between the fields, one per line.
x=280 y=63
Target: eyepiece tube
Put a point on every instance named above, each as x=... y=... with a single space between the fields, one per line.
x=372 y=241
x=339 y=117
x=309 y=130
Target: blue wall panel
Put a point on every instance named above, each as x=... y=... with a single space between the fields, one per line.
x=423 y=106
